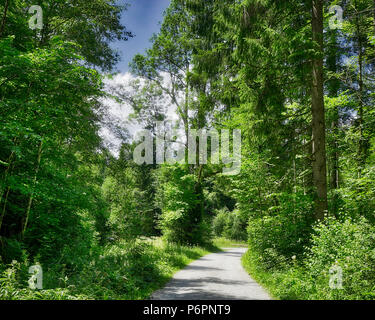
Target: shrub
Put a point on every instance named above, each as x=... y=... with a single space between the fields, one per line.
x=231 y=225
x=177 y=228
x=283 y=233
x=180 y=196
x=349 y=245
x=13 y=286
x=220 y=222
x=236 y=226
x=10 y=249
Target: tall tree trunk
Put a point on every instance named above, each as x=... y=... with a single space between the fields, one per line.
x=8 y=169
x=333 y=90
x=335 y=174
x=3 y=20
x=186 y=116
x=362 y=142
x=4 y=207
x=33 y=187
x=361 y=147
x=6 y=190
x=318 y=116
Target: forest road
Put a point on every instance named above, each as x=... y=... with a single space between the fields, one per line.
x=216 y=276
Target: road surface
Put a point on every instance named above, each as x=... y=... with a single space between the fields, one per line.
x=217 y=276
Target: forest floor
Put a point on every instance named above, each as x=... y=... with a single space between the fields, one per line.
x=216 y=276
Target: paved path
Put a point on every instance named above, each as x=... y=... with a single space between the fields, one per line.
x=217 y=276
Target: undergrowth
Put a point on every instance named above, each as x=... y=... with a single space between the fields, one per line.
x=127 y=271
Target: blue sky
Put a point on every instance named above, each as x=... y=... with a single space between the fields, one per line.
x=142 y=18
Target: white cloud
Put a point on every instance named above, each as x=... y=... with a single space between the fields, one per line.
x=117 y=124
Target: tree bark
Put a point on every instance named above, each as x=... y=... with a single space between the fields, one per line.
x=7 y=189
x=186 y=116
x=4 y=208
x=333 y=86
x=335 y=174
x=319 y=165
x=2 y=26
x=33 y=187
x=361 y=149
x=362 y=141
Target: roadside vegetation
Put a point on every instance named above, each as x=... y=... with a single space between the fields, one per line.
x=228 y=243
x=346 y=244
x=126 y=271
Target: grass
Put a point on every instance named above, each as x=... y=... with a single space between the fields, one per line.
x=121 y=271
x=289 y=283
x=227 y=243
x=267 y=280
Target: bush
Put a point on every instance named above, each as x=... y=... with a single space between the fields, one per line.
x=231 y=225
x=177 y=228
x=236 y=227
x=125 y=270
x=283 y=233
x=132 y=270
x=220 y=222
x=349 y=245
x=180 y=197
x=14 y=286
x=10 y=249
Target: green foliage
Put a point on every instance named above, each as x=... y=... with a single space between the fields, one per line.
x=230 y=225
x=284 y=232
x=44 y=170
x=357 y=198
x=176 y=228
x=347 y=244
x=182 y=220
x=68 y=203
x=91 y=25
x=227 y=243
x=220 y=222
x=14 y=286
x=126 y=270
x=178 y=188
x=123 y=220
